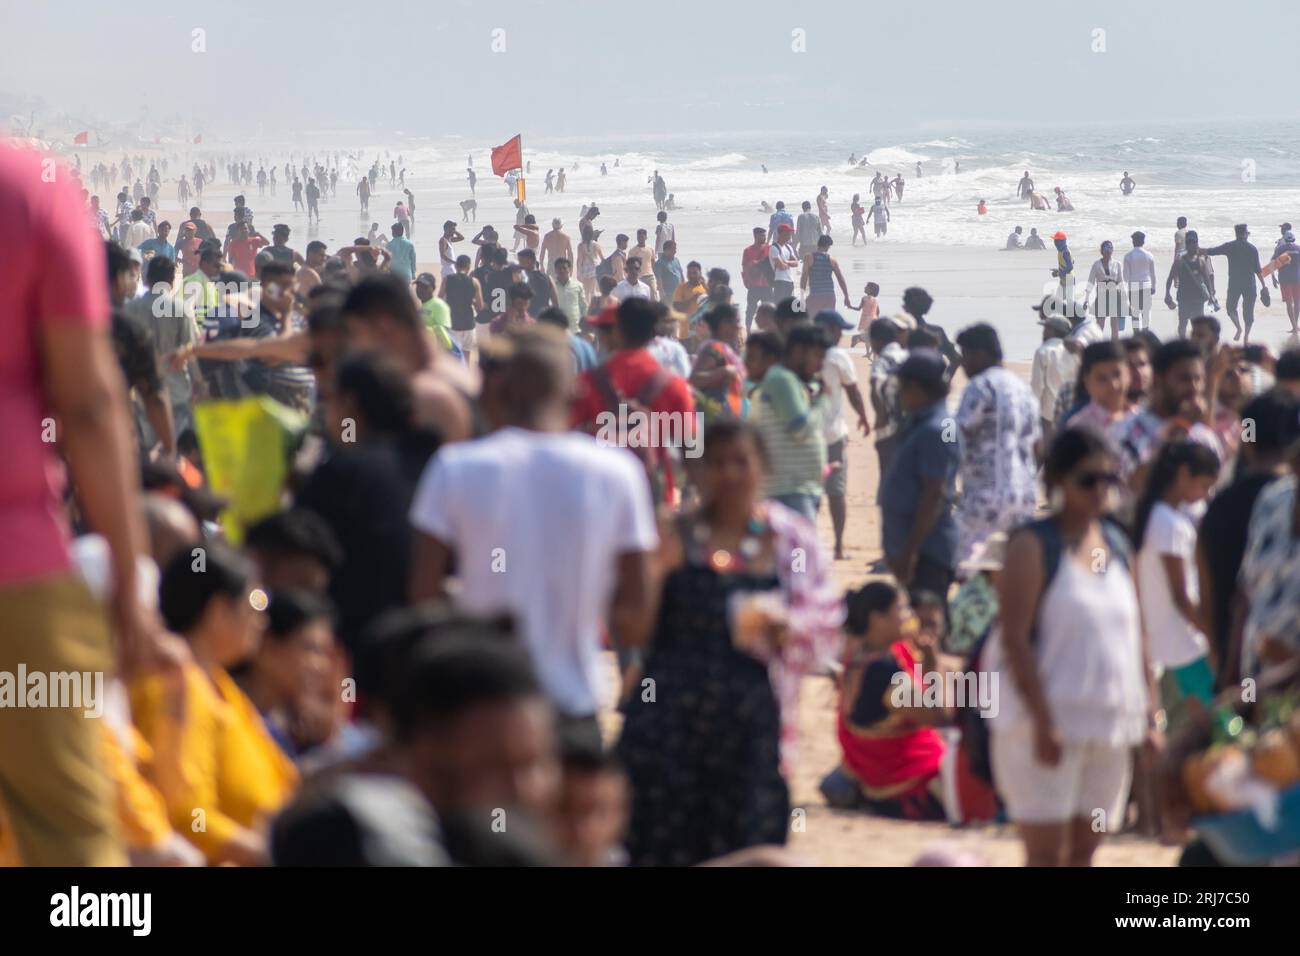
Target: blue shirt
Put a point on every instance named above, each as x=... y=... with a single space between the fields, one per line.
x=403 y=252
x=584 y=353
x=922 y=454
x=157 y=247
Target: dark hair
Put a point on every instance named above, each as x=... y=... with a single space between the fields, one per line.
x=382 y=392
x=1174 y=455
x=398 y=229
x=553 y=315
x=382 y=296
x=922 y=339
x=290 y=610
x=883 y=331
x=766 y=342
x=788 y=310
x=1068 y=448
x=119 y=260
x=159 y=269
x=187 y=587
x=581 y=751
x=727 y=429
x=719 y=314
x=1095 y=353
x=637 y=319
x=805 y=335
x=981 y=337
x=271 y=270
x=716 y=276
x=875 y=597
x=919 y=299
x=1276 y=418
x=1288 y=366
x=295 y=532
x=1174 y=351
x=1208 y=320
x=448 y=675
x=316 y=246
x=1138 y=342
x=133 y=348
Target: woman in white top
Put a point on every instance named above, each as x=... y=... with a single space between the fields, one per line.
x=1182 y=476
x=1107 y=278
x=1073 y=683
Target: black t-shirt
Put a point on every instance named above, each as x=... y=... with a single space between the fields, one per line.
x=458 y=290
x=1223 y=540
x=364 y=493
x=281 y=254
x=1243 y=261
x=540 y=283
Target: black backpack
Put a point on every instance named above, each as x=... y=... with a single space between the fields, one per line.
x=974 y=727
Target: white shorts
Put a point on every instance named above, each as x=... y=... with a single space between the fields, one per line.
x=464 y=339
x=1090 y=777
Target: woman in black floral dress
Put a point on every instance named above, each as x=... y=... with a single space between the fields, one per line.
x=702 y=734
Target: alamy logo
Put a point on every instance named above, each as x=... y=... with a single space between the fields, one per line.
x=639 y=429
x=75 y=690
x=133 y=910
x=946 y=689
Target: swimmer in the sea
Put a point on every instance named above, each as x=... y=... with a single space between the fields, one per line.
x=1026 y=187
x=1126 y=184
x=1063 y=203
x=1038 y=201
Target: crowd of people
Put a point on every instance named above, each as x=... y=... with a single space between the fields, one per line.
x=399 y=656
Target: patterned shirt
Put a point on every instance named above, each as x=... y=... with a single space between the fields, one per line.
x=1270 y=573
x=884 y=391
x=1139 y=437
x=998 y=418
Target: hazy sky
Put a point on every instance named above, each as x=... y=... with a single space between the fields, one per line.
x=571 y=67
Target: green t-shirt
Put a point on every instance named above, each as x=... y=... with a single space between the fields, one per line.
x=436 y=314
x=791 y=425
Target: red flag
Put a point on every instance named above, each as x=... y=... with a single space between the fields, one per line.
x=509 y=155
x=81 y=139
x=198 y=139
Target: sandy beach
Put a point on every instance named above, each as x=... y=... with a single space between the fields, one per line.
x=969 y=284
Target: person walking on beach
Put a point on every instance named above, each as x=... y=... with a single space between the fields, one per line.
x=857 y=218
x=807 y=230
x=1243 y=269
x=778 y=219
x=880 y=217
x=556 y=244
x=998 y=420
x=363 y=191
x=784 y=261
x=1127 y=184
x=472 y=177
x=823 y=211
x=790 y=416
x=820 y=273
x=1194 y=276
x=560 y=180
x=313 y=200
x=756 y=274
x=296 y=189
x=1288 y=276
x=1106 y=278
x=1140 y=282
x=665 y=231
x=446 y=248
x=1071 y=640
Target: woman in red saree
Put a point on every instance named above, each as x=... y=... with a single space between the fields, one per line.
x=890 y=752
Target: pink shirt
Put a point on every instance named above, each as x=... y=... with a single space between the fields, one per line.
x=52 y=271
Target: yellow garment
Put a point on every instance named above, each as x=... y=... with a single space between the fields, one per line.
x=687 y=296
x=141 y=812
x=218 y=769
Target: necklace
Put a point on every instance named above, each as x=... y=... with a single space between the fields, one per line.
x=747 y=551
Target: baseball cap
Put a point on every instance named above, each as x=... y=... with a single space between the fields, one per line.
x=785 y=227
x=923 y=365
x=1058 y=235
x=1289 y=236
x=1056 y=324
x=606 y=318
x=832 y=318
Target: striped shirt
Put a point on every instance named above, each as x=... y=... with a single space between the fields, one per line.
x=791 y=425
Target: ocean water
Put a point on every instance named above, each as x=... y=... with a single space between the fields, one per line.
x=1215 y=174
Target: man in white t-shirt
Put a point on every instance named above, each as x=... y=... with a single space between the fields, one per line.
x=664 y=232
x=784 y=263
x=542 y=523
x=1140 y=279
x=838 y=380
x=632 y=287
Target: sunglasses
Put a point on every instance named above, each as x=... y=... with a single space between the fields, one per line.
x=1089 y=480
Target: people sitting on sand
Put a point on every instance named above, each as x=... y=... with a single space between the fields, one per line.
x=1034 y=240
x=1063 y=203
x=889 y=750
x=1013 y=240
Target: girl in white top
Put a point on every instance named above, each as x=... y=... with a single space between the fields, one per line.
x=1182 y=475
x=1107 y=278
x=1072 y=680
